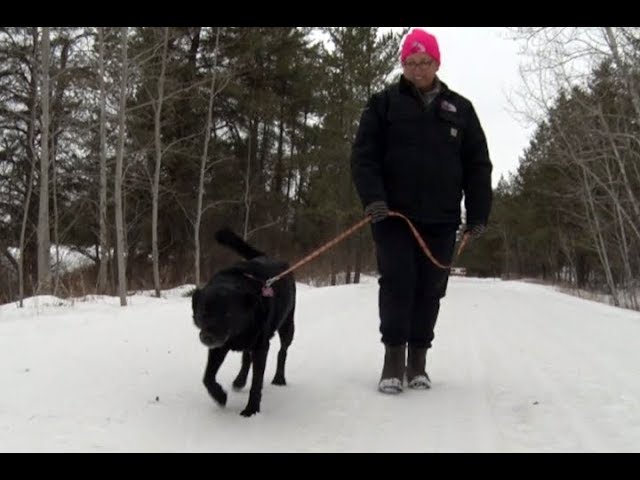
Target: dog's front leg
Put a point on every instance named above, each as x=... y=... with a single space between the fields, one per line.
x=241 y=380
x=259 y=359
x=215 y=359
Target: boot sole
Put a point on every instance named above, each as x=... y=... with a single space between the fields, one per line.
x=420 y=383
x=390 y=386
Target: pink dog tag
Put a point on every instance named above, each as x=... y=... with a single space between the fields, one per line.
x=267 y=291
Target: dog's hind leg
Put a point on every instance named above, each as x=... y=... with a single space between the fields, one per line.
x=259 y=360
x=286 y=337
x=241 y=379
x=215 y=359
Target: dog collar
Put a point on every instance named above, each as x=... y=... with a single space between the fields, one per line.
x=267 y=291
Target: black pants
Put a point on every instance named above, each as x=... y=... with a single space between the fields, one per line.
x=411 y=286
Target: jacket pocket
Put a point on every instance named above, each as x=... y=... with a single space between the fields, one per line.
x=451 y=129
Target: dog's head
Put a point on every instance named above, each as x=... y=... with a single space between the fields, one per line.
x=222 y=311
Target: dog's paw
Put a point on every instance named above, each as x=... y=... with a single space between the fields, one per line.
x=239 y=383
x=279 y=380
x=218 y=394
x=249 y=411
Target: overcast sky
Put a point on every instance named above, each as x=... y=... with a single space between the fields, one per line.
x=481 y=64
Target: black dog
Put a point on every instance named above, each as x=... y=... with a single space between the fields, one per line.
x=233 y=312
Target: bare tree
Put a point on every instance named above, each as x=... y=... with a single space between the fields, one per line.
x=44 y=242
x=598 y=238
x=631 y=36
x=31 y=154
x=122 y=279
x=247 y=187
x=601 y=143
x=23 y=230
x=56 y=220
x=203 y=160
x=102 y=209
x=155 y=190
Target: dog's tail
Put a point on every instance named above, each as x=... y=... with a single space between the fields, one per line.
x=229 y=239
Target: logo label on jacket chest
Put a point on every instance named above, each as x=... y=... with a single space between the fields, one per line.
x=448 y=107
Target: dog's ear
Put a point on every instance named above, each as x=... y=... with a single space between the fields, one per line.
x=195 y=298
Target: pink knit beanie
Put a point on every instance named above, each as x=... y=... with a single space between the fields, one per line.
x=420 y=41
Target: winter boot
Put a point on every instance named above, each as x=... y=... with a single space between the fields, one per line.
x=416 y=374
x=393 y=369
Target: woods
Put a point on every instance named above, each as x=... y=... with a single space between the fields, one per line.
x=131 y=146
x=570 y=213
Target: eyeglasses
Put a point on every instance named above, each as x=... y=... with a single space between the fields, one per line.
x=421 y=64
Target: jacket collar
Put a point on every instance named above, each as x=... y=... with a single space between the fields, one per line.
x=406 y=86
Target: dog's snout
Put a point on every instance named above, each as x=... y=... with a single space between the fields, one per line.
x=206 y=338
x=211 y=340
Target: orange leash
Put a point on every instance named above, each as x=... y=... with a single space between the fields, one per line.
x=354 y=228
x=424 y=246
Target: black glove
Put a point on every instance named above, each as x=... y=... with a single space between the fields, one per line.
x=475 y=230
x=377 y=211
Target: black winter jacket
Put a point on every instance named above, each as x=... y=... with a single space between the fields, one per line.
x=420 y=159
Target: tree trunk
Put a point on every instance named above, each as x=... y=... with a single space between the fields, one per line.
x=102 y=213
x=203 y=162
x=23 y=230
x=44 y=241
x=155 y=193
x=596 y=232
x=56 y=233
x=247 y=188
x=279 y=170
x=122 y=279
x=31 y=153
x=358 y=258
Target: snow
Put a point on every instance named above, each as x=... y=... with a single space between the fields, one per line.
x=515 y=367
x=70 y=259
